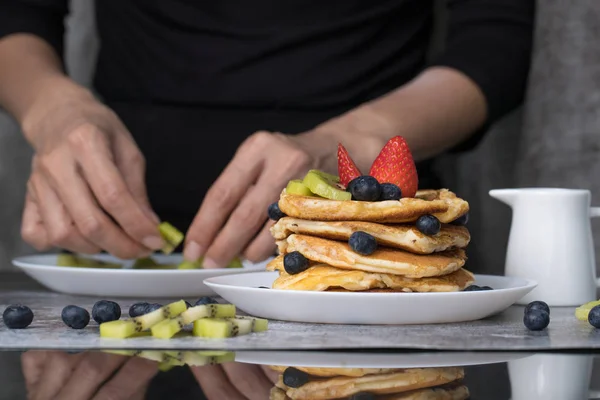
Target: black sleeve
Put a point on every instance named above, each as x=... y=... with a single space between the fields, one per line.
x=490 y=41
x=43 y=18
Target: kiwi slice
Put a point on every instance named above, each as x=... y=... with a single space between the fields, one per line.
x=297 y=187
x=235 y=263
x=71 y=260
x=582 y=312
x=169 y=327
x=171 y=235
x=126 y=328
x=325 y=185
x=220 y=328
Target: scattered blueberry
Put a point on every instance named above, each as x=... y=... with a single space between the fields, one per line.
x=537 y=305
x=362 y=243
x=294 y=378
x=137 y=309
x=295 y=262
x=17 y=316
x=536 y=320
x=473 y=288
x=152 y=307
x=428 y=225
x=105 y=311
x=187 y=304
x=389 y=191
x=75 y=317
x=362 y=396
x=365 y=188
x=274 y=212
x=205 y=300
x=594 y=317
x=462 y=220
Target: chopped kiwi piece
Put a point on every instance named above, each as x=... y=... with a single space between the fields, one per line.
x=153 y=355
x=235 y=263
x=582 y=312
x=171 y=235
x=325 y=185
x=71 y=260
x=127 y=328
x=129 y=353
x=190 y=265
x=150 y=263
x=165 y=366
x=297 y=187
x=219 y=328
x=169 y=327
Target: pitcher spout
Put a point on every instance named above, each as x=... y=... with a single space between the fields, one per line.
x=507 y=196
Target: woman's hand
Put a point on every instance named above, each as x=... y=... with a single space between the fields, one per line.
x=235 y=381
x=86 y=191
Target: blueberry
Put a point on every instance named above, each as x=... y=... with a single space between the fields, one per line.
x=594 y=317
x=75 y=317
x=462 y=220
x=105 y=311
x=365 y=188
x=537 y=305
x=137 y=309
x=536 y=320
x=487 y=288
x=428 y=225
x=205 y=300
x=362 y=243
x=362 y=396
x=152 y=307
x=473 y=288
x=263 y=287
x=294 y=378
x=17 y=316
x=274 y=212
x=295 y=262
x=389 y=191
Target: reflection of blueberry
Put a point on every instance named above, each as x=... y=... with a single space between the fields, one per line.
x=363 y=396
x=152 y=307
x=75 y=317
x=428 y=225
x=389 y=191
x=536 y=320
x=294 y=378
x=105 y=311
x=274 y=212
x=365 y=188
x=137 y=309
x=537 y=305
x=462 y=220
x=205 y=300
x=594 y=317
x=295 y=262
x=17 y=316
x=362 y=243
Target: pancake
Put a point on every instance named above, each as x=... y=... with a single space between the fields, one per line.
x=444 y=204
x=323 y=277
x=383 y=260
x=438 y=393
x=277 y=394
x=332 y=372
x=395 y=382
x=405 y=237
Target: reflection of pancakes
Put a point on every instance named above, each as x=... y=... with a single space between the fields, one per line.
x=385 y=260
x=416 y=383
x=441 y=203
x=329 y=372
x=405 y=237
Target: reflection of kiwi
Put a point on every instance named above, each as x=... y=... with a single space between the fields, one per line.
x=219 y=328
x=169 y=327
x=171 y=236
x=325 y=185
x=297 y=187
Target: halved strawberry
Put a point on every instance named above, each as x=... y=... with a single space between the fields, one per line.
x=395 y=164
x=347 y=170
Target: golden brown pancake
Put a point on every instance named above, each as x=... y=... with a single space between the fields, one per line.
x=383 y=260
x=323 y=277
x=444 y=204
x=395 y=382
x=277 y=394
x=332 y=372
x=405 y=237
x=454 y=392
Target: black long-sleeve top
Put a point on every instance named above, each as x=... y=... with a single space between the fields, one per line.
x=191 y=79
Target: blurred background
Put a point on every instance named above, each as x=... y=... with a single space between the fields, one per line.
x=553 y=140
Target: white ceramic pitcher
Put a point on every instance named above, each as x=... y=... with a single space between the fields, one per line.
x=551 y=242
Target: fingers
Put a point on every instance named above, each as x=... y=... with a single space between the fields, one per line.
x=57 y=370
x=215 y=384
x=32 y=226
x=262 y=246
x=32 y=365
x=95 y=156
x=271 y=375
x=93 y=369
x=248 y=380
x=223 y=197
x=131 y=379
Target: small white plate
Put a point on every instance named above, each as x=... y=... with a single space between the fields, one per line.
x=126 y=282
x=337 y=359
x=368 y=308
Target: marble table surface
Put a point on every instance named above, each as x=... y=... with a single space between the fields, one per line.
x=500 y=333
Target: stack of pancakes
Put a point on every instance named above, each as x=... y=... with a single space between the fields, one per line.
x=406 y=260
x=388 y=384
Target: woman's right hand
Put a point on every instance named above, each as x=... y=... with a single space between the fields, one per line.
x=87 y=189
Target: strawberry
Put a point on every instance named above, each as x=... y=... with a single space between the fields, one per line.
x=395 y=164
x=347 y=170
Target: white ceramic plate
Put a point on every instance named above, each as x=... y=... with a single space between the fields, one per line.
x=374 y=360
x=368 y=308
x=139 y=283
